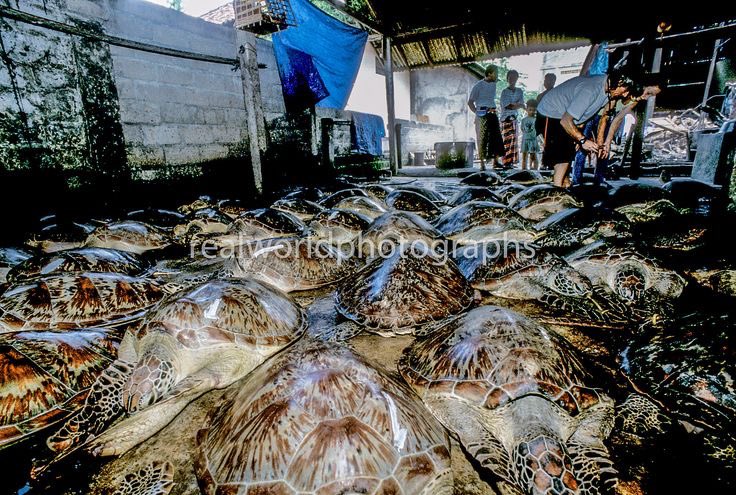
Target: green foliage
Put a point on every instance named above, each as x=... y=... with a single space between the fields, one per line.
x=453 y=159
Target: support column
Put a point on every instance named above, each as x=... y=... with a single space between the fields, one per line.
x=390 y=105
x=656 y=66
x=709 y=80
x=255 y=122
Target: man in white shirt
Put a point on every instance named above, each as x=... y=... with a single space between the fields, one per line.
x=512 y=99
x=568 y=107
x=482 y=102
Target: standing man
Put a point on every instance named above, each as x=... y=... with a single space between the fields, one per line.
x=482 y=102
x=549 y=82
x=550 y=79
x=512 y=99
x=568 y=107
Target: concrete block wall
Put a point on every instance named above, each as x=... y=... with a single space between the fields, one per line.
x=417 y=137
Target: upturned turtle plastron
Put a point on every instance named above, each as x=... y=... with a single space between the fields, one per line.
x=59 y=236
x=524 y=272
x=46 y=376
x=135 y=237
x=163 y=219
x=11 y=257
x=486 y=178
x=574 y=227
x=687 y=374
x=474 y=193
x=368 y=207
x=404 y=200
x=292 y=263
x=399 y=228
x=637 y=279
x=300 y=208
x=401 y=292
x=76 y=301
x=201 y=339
x=539 y=202
x=314 y=419
x=77 y=261
x=479 y=221
x=518 y=399
x=338 y=227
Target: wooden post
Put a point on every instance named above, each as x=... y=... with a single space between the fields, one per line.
x=709 y=81
x=255 y=121
x=656 y=66
x=390 y=104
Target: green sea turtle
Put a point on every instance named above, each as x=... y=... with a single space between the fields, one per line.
x=200 y=223
x=720 y=280
x=292 y=263
x=338 y=227
x=135 y=237
x=256 y=225
x=76 y=261
x=518 y=399
x=411 y=201
x=486 y=178
x=204 y=338
x=686 y=374
x=334 y=198
x=60 y=235
x=368 y=207
x=573 y=227
x=473 y=193
x=11 y=257
x=300 y=208
x=627 y=272
x=642 y=213
x=198 y=204
x=635 y=192
x=508 y=191
x=525 y=177
x=76 y=301
x=479 y=221
x=231 y=207
x=163 y=219
x=46 y=376
x=377 y=191
x=307 y=193
x=399 y=228
x=522 y=271
x=401 y=292
x=431 y=195
x=539 y=202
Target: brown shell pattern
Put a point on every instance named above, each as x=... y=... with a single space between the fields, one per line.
x=242 y=311
x=44 y=376
x=411 y=201
x=78 y=260
x=264 y=223
x=398 y=226
x=301 y=208
x=319 y=419
x=292 y=263
x=364 y=206
x=403 y=290
x=72 y=301
x=479 y=213
x=499 y=260
x=131 y=235
x=491 y=355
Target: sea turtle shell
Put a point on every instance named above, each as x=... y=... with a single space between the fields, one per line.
x=517 y=397
x=316 y=419
x=338 y=226
x=162 y=219
x=331 y=200
x=574 y=227
x=266 y=223
x=525 y=177
x=538 y=202
x=201 y=223
x=300 y=208
x=404 y=200
x=306 y=193
x=60 y=235
x=402 y=290
x=9 y=258
x=368 y=207
x=292 y=263
x=198 y=204
x=402 y=228
x=482 y=220
x=485 y=178
x=431 y=195
x=231 y=207
x=135 y=237
x=46 y=376
x=474 y=193
x=74 y=301
x=635 y=192
x=508 y=191
x=76 y=261
x=377 y=191
x=650 y=211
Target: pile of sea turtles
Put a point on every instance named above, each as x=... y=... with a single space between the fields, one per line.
x=238 y=326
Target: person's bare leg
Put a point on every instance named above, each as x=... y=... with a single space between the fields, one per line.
x=533 y=165
x=560 y=175
x=523 y=160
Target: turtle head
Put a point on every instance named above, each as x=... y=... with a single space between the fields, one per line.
x=155 y=374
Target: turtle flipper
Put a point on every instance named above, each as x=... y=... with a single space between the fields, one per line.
x=594 y=471
x=156 y=478
x=102 y=406
x=490 y=453
x=640 y=417
x=339 y=332
x=431 y=327
x=145 y=423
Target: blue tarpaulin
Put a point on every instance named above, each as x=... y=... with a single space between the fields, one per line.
x=368 y=131
x=335 y=50
x=302 y=85
x=600 y=62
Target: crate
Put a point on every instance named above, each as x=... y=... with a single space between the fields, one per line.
x=263 y=16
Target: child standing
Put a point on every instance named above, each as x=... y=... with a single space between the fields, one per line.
x=529 y=143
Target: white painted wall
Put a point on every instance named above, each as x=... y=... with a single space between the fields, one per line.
x=369 y=91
